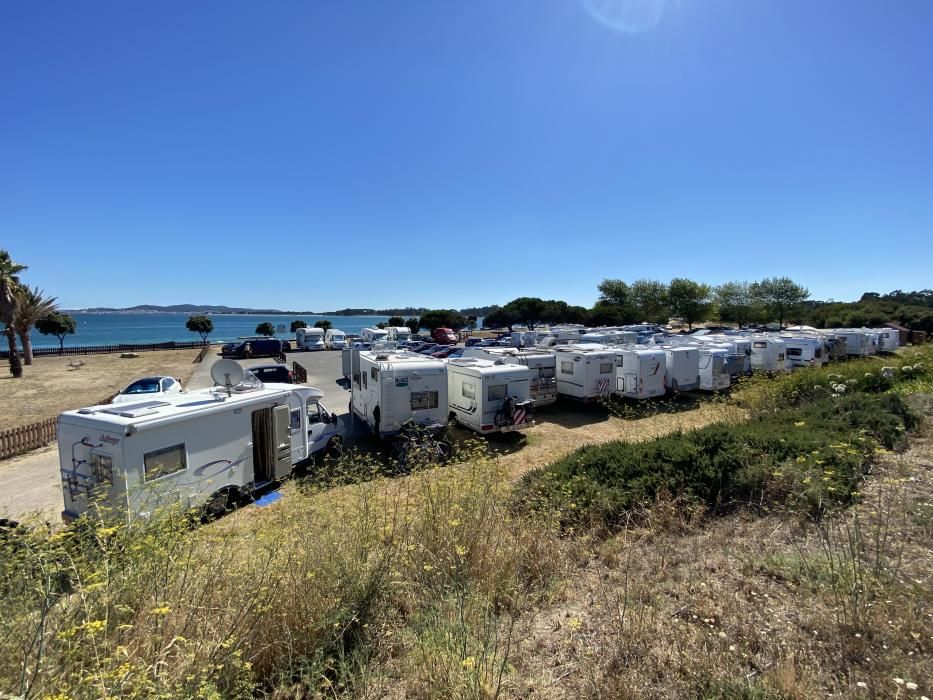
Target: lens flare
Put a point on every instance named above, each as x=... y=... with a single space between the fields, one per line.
x=627 y=16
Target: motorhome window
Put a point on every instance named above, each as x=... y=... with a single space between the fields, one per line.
x=469 y=390
x=164 y=461
x=780 y=357
x=102 y=468
x=759 y=344
x=620 y=360
x=423 y=400
x=566 y=367
x=496 y=392
x=374 y=373
x=167 y=383
x=794 y=352
x=356 y=378
x=294 y=419
x=314 y=413
x=605 y=367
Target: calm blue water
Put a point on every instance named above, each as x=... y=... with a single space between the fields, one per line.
x=115 y=329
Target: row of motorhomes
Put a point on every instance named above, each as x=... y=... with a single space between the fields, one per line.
x=482 y=388
x=204 y=447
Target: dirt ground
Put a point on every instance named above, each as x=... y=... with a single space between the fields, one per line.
x=50 y=385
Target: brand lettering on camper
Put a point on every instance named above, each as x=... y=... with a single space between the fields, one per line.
x=110 y=439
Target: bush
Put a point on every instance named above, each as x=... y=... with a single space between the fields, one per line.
x=811 y=458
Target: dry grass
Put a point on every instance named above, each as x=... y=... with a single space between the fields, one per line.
x=49 y=386
x=750 y=606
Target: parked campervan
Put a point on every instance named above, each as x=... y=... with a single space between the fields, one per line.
x=890 y=339
x=335 y=339
x=856 y=341
x=714 y=373
x=564 y=336
x=370 y=335
x=803 y=350
x=350 y=357
x=201 y=448
x=309 y=338
x=488 y=396
x=400 y=334
x=585 y=372
x=390 y=388
x=768 y=354
x=641 y=373
x=683 y=367
x=737 y=362
x=542 y=364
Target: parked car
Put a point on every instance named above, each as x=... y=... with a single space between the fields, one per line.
x=417 y=346
x=445 y=351
x=253 y=347
x=279 y=374
x=453 y=353
x=470 y=342
x=444 y=336
x=148 y=388
x=429 y=348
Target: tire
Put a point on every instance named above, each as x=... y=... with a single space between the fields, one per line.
x=217 y=505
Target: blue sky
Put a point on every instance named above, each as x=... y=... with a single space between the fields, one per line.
x=318 y=155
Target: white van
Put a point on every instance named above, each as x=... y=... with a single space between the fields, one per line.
x=309 y=338
x=204 y=447
x=389 y=388
x=334 y=339
x=488 y=396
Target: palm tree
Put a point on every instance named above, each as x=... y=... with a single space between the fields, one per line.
x=9 y=283
x=32 y=304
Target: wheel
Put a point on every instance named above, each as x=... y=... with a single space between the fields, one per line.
x=217 y=505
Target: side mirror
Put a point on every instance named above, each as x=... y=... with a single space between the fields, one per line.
x=333 y=418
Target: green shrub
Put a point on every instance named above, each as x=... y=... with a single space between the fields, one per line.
x=810 y=457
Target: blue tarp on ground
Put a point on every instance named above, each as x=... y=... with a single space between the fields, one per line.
x=268 y=499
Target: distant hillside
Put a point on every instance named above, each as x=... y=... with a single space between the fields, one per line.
x=407 y=312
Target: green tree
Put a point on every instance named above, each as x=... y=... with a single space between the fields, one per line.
x=31 y=305
x=296 y=324
x=649 y=298
x=689 y=300
x=9 y=284
x=616 y=294
x=200 y=324
x=734 y=300
x=266 y=328
x=414 y=324
x=443 y=318
x=58 y=325
x=530 y=311
x=396 y=321
x=323 y=323
x=500 y=318
x=780 y=296
x=605 y=314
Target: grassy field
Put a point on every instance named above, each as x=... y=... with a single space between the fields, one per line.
x=50 y=385
x=440 y=584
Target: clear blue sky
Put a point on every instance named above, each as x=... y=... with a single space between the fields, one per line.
x=318 y=155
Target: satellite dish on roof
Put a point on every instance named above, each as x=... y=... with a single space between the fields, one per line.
x=227 y=373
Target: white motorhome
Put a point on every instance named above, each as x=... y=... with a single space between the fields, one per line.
x=488 y=396
x=610 y=337
x=400 y=334
x=559 y=336
x=585 y=372
x=335 y=339
x=350 y=357
x=714 y=372
x=389 y=388
x=857 y=343
x=768 y=354
x=804 y=350
x=202 y=448
x=543 y=366
x=890 y=339
x=641 y=373
x=372 y=335
x=309 y=338
x=683 y=367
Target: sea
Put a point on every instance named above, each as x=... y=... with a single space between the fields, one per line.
x=127 y=328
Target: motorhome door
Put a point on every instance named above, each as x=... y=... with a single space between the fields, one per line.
x=281 y=427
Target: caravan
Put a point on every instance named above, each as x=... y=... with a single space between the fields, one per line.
x=857 y=344
x=683 y=367
x=890 y=339
x=202 y=448
x=641 y=373
x=390 y=388
x=542 y=365
x=804 y=350
x=488 y=396
x=714 y=372
x=585 y=372
x=335 y=339
x=309 y=338
x=768 y=354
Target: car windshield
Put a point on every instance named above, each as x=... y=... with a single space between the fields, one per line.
x=149 y=385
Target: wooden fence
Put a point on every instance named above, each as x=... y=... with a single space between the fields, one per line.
x=107 y=349
x=16 y=441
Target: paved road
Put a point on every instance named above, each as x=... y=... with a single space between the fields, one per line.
x=30 y=484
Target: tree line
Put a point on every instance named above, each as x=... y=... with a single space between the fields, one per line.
x=23 y=307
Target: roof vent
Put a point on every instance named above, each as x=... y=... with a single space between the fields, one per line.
x=382 y=357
